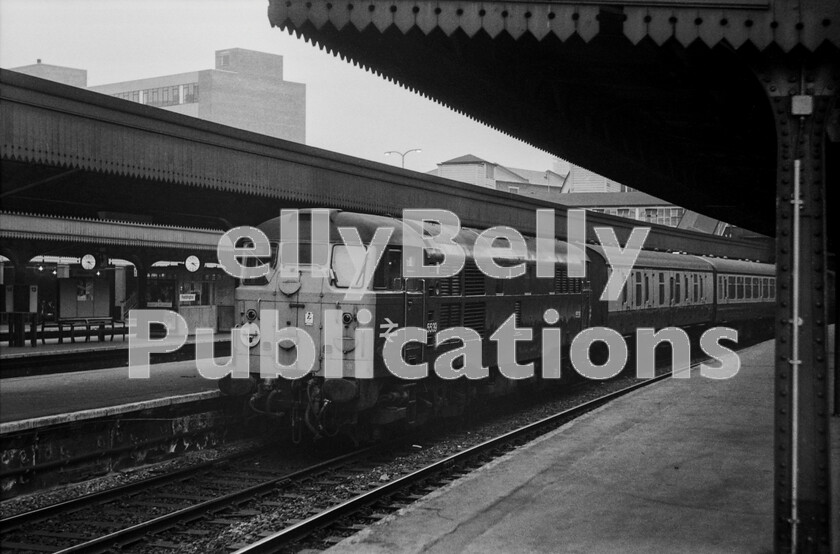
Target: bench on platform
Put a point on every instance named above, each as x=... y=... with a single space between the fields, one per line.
x=88 y=322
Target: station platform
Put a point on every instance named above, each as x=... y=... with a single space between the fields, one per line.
x=55 y=357
x=52 y=346
x=43 y=400
x=685 y=465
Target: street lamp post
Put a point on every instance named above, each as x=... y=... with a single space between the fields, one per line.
x=403 y=154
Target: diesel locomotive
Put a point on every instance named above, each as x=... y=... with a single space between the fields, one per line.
x=350 y=388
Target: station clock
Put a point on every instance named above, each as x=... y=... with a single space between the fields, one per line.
x=192 y=263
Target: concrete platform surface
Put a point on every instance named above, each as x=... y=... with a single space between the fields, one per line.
x=68 y=394
x=53 y=347
x=685 y=465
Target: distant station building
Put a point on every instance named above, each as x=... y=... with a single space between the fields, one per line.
x=545 y=185
x=245 y=90
x=582 y=180
x=632 y=205
x=569 y=185
x=60 y=74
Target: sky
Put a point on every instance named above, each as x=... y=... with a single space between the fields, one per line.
x=348 y=109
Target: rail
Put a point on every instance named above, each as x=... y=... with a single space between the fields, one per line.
x=453 y=464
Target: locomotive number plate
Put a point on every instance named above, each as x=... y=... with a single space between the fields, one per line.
x=309 y=319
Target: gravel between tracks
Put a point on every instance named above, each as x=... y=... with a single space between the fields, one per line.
x=40 y=499
x=429 y=451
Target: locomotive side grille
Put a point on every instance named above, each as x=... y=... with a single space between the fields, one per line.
x=450 y=315
x=473 y=279
x=517 y=309
x=563 y=284
x=474 y=317
x=561 y=280
x=451 y=286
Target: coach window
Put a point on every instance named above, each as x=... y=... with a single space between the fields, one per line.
x=756 y=287
x=670 y=290
x=647 y=288
x=686 y=290
x=772 y=288
x=765 y=288
x=747 y=288
x=740 y=282
x=733 y=287
x=676 y=289
x=702 y=297
x=661 y=289
x=696 y=287
x=638 y=295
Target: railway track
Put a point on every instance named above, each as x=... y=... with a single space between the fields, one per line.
x=132 y=513
x=174 y=510
x=339 y=521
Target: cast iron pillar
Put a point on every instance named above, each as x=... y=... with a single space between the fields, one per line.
x=802 y=89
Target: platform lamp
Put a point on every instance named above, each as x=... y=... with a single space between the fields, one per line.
x=403 y=154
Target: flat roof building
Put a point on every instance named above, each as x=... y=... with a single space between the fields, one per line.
x=60 y=74
x=245 y=90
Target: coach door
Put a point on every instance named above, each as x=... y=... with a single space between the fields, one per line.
x=586 y=304
x=414 y=308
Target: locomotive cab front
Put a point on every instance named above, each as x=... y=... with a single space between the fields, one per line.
x=311 y=358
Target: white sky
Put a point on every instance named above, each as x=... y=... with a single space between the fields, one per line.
x=348 y=109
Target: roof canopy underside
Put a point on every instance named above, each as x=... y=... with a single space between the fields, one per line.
x=663 y=99
x=77 y=154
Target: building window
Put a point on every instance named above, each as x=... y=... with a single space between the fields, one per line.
x=224 y=60
x=158 y=97
x=514 y=190
x=191 y=93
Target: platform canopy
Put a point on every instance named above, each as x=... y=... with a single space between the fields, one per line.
x=73 y=153
x=665 y=96
x=23 y=236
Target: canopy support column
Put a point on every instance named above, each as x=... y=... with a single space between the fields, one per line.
x=801 y=92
